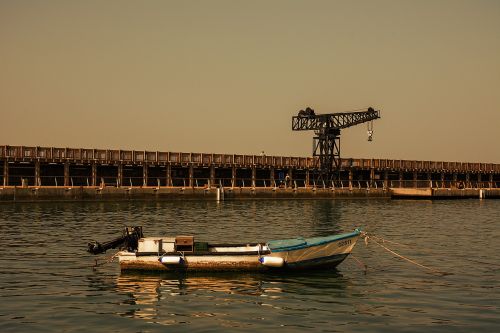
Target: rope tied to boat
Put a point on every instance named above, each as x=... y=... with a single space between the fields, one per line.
x=361 y=264
x=433 y=271
x=104 y=260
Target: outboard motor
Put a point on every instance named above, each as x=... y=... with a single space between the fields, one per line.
x=129 y=240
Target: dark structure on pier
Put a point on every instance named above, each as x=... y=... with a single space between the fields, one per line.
x=326 y=143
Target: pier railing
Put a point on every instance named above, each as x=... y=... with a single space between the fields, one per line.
x=133 y=156
x=81 y=155
x=450 y=184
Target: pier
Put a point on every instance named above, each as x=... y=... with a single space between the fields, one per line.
x=46 y=173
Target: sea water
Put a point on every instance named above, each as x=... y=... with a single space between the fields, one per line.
x=48 y=284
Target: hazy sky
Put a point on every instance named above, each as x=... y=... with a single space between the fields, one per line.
x=227 y=76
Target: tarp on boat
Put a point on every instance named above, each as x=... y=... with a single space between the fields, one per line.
x=299 y=243
x=286 y=244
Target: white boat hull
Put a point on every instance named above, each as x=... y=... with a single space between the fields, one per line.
x=326 y=252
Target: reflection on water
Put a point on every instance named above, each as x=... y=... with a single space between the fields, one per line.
x=153 y=294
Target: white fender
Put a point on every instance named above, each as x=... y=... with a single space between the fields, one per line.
x=171 y=260
x=272 y=261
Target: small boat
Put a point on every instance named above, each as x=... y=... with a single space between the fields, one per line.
x=184 y=253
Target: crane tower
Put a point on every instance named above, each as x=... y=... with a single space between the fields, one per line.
x=326 y=142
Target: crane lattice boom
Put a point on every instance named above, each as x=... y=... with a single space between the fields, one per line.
x=333 y=120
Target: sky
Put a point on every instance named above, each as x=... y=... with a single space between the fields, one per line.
x=227 y=76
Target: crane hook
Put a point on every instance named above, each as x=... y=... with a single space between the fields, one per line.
x=370 y=130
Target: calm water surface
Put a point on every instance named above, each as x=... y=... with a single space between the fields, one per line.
x=47 y=284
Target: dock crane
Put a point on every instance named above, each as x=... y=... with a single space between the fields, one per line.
x=326 y=142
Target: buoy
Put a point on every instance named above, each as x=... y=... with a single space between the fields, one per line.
x=272 y=261
x=171 y=260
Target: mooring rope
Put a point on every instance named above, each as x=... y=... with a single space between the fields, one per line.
x=360 y=263
x=104 y=260
x=434 y=271
x=388 y=241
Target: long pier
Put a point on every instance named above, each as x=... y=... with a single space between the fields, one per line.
x=37 y=173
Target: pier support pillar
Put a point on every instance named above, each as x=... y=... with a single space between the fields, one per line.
x=94 y=174
x=144 y=174
x=254 y=175
x=119 y=179
x=5 y=173
x=442 y=179
x=271 y=176
x=350 y=179
x=169 y=175
x=386 y=179
x=401 y=179
x=467 y=180
x=212 y=176
x=191 y=175
x=66 y=174
x=372 y=177
x=307 y=178
x=479 y=180
x=491 y=181
x=290 y=178
x=429 y=178
x=455 y=177
x=37 y=173
x=233 y=176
